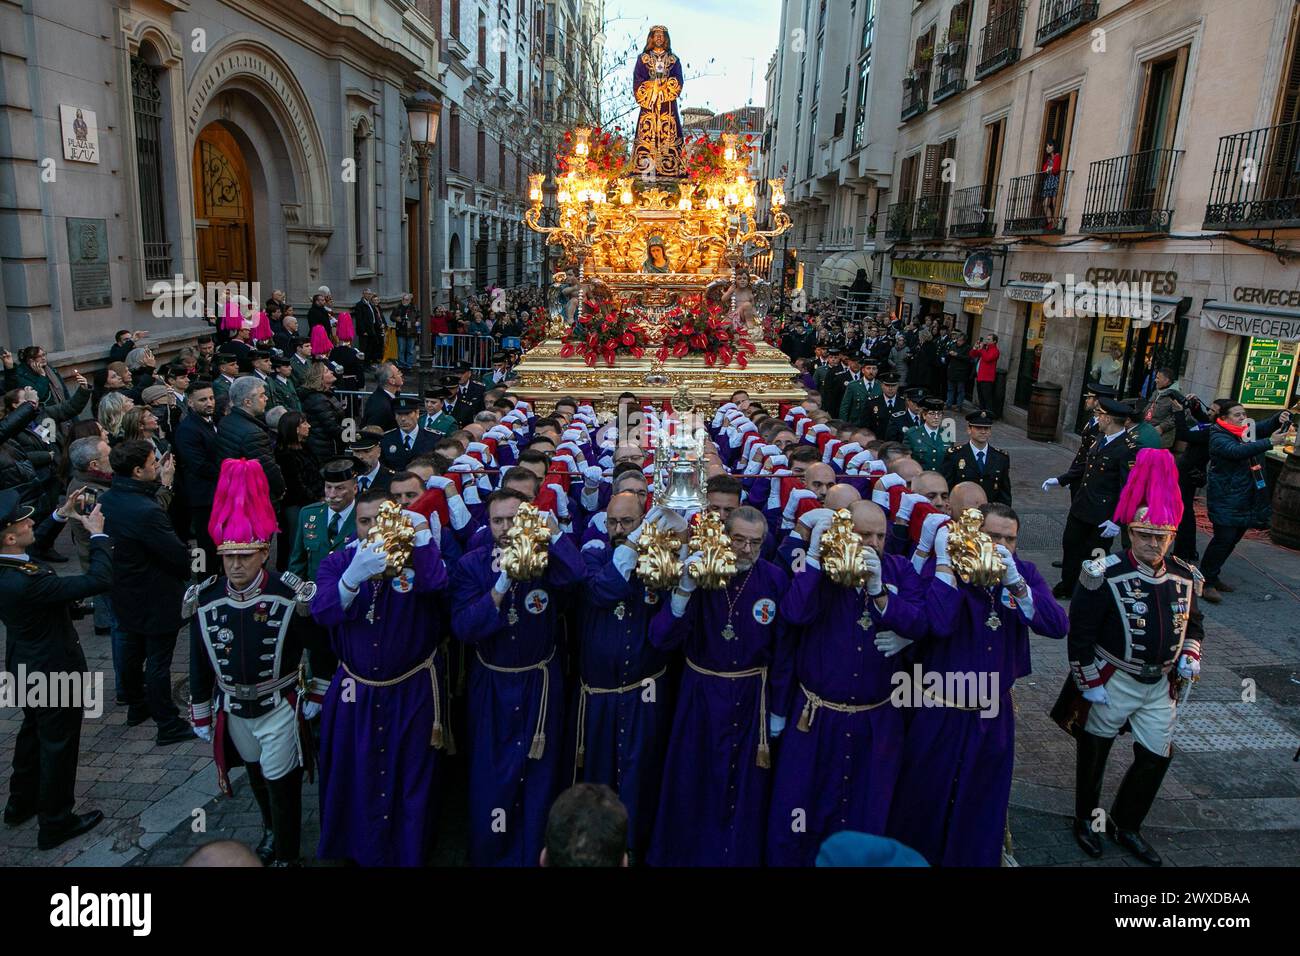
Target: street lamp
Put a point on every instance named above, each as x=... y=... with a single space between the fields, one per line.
x=422 y=114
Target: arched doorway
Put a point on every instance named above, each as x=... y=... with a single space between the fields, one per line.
x=223 y=208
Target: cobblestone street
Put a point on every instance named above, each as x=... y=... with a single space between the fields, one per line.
x=1232 y=795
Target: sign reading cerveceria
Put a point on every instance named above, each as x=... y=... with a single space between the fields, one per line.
x=927 y=270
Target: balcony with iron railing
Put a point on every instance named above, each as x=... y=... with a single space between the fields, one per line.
x=1036 y=204
x=951 y=79
x=930 y=217
x=916 y=93
x=898 y=224
x=1256 y=181
x=971 y=214
x=1056 y=18
x=1000 y=42
x=1131 y=193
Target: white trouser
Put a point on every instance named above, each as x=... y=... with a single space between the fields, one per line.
x=1147 y=707
x=270 y=740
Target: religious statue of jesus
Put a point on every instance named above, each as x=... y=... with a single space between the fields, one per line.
x=657 y=84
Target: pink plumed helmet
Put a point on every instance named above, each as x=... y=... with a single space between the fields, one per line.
x=320 y=341
x=243 y=520
x=1150 y=500
x=347 y=332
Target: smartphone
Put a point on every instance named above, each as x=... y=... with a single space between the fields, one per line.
x=87 y=500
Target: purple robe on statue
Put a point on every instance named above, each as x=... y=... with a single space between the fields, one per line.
x=839 y=773
x=379 y=770
x=951 y=801
x=622 y=734
x=713 y=808
x=510 y=792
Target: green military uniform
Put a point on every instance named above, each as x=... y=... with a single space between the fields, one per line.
x=221 y=387
x=281 y=392
x=312 y=542
x=1146 y=436
x=928 y=450
x=442 y=423
x=854 y=407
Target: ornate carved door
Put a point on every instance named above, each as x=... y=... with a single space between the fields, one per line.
x=223 y=208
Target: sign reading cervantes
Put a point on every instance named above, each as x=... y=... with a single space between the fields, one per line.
x=88 y=264
x=79 y=133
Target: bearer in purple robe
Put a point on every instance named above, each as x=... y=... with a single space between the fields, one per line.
x=383 y=724
x=839 y=763
x=717 y=777
x=516 y=692
x=951 y=801
x=624 y=706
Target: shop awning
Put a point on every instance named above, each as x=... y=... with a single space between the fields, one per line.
x=1261 y=323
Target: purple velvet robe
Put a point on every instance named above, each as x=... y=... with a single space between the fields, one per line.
x=379 y=772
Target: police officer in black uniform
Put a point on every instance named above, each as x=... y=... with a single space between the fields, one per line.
x=980 y=462
x=834 y=383
x=467 y=395
x=1100 y=477
x=1092 y=395
x=886 y=413
x=36 y=607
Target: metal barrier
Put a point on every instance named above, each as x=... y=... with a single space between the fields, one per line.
x=355 y=402
x=448 y=349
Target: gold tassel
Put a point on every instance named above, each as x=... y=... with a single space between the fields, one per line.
x=764 y=756
x=539 y=746
x=805 y=718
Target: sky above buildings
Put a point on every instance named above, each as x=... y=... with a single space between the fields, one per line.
x=739 y=38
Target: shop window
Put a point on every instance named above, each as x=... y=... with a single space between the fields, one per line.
x=1031 y=352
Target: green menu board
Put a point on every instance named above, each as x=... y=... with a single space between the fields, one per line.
x=1266 y=379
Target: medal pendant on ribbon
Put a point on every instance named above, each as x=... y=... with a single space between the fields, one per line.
x=728 y=632
x=620 y=610
x=864 y=622
x=512 y=616
x=993 y=622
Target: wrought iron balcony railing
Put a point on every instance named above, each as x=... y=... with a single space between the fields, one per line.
x=1000 y=42
x=952 y=72
x=916 y=95
x=1036 y=204
x=898 y=223
x=1131 y=193
x=929 y=217
x=1256 y=181
x=972 y=211
x=1056 y=18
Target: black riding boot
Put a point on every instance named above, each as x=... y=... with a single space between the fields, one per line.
x=1090 y=768
x=261 y=793
x=1136 y=794
x=286 y=814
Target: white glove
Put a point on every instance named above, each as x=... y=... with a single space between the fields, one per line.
x=1188 y=667
x=889 y=643
x=929 y=528
x=311 y=709
x=1108 y=529
x=775 y=724
x=941 y=546
x=669 y=520
x=688 y=583
x=561 y=500
x=592 y=474
x=438 y=481
x=1051 y=483
x=906 y=504
x=815 y=542
x=367 y=561
x=1011 y=576
x=1097 y=695
x=874 y=583
x=502 y=584
x=635 y=536
x=204 y=733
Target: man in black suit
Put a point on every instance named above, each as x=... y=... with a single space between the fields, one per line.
x=379 y=406
x=980 y=462
x=36 y=608
x=1100 y=478
x=466 y=399
x=198 y=463
x=408 y=439
x=370 y=325
x=375 y=477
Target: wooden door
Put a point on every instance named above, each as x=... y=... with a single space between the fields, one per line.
x=223 y=199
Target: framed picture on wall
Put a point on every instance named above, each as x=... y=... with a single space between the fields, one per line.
x=1112 y=341
x=1115 y=323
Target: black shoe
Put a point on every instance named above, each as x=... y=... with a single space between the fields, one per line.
x=136 y=718
x=50 y=555
x=1134 y=842
x=266 y=849
x=80 y=823
x=177 y=733
x=14 y=817
x=1088 y=841
x=1058 y=564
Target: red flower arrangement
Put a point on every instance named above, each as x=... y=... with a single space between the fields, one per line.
x=607 y=331
x=704 y=157
x=606 y=153
x=701 y=327
x=534 y=332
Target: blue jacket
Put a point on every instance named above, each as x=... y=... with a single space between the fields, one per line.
x=199 y=461
x=151 y=565
x=1231 y=495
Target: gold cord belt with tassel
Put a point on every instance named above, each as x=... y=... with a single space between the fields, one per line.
x=764 y=758
x=815 y=703
x=539 y=736
x=583 y=690
x=436 y=739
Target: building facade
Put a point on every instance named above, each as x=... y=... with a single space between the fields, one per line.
x=1129 y=170
x=215 y=140
x=831 y=125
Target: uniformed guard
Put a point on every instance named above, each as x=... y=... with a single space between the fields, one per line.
x=408 y=439
x=246 y=644
x=980 y=462
x=36 y=607
x=434 y=418
x=1135 y=641
x=1092 y=396
x=926 y=441
x=887 y=412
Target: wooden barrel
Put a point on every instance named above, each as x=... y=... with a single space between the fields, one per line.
x=1044 y=411
x=1285 y=527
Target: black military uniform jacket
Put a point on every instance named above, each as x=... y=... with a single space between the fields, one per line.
x=1128 y=617
x=249 y=647
x=1087 y=438
x=888 y=424
x=463 y=406
x=1101 y=476
x=960 y=465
